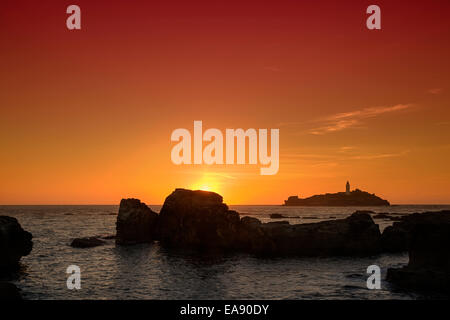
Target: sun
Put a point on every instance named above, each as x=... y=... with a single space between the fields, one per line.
x=204 y=188
x=207 y=183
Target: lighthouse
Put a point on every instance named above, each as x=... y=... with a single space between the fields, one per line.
x=347 y=188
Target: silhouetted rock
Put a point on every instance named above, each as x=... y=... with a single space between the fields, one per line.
x=355 y=235
x=429 y=259
x=8 y=291
x=14 y=242
x=381 y=216
x=396 y=238
x=136 y=223
x=252 y=238
x=200 y=220
x=353 y=198
x=108 y=237
x=87 y=242
x=197 y=219
x=277 y=216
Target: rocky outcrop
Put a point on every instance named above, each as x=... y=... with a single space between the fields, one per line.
x=197 y=219
x=200 y=219
x=355 y=235
x=354 y=198
x=429 y=259
x=14 y=242
x=89 y=242
x=136 y=223
x=396 y=238
x=8 y=291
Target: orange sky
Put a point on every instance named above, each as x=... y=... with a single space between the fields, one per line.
x=86 y=116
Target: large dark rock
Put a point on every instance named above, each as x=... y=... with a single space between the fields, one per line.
x=197 y=219
x=429 y=259
x=14 y=242
x=8 y=291
x=87 y=242
x=396 y=238
x=136 y=223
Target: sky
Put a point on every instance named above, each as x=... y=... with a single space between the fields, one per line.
x=86 y=115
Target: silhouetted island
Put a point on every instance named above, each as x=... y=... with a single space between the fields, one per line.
x=339 y=199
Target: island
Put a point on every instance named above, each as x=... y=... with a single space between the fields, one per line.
x=340 y=199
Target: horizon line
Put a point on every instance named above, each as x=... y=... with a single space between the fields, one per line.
x=280 y=205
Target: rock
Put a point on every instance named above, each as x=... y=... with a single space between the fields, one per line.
x=277 y=223
x=252 y=239
x=200 y=220
x=364 y=211
x=382 y=216
x=14 y=242
x=108 y=237
x=87 y=242
x=197 y=219
x=355 y=235
x=136 y=223
x=396 y=238
x=277 y=216
x=429 y=259
x=8 y=291
x=354 y=198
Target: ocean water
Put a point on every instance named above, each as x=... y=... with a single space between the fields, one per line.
x=148 y=271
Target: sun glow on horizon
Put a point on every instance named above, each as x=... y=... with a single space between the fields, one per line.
x=204 y=188
x=208 y=182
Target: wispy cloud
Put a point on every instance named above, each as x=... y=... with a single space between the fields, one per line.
x=335 y=158
x=352 y=119
x=379 y=156
x=345 y=149
x=435 y=90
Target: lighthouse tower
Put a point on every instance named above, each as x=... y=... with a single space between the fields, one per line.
x=347 y=188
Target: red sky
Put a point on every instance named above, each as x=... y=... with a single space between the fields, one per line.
x=86 y=116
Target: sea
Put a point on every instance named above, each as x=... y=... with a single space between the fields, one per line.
x=149 y=271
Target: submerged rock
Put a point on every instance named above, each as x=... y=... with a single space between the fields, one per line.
x=8 y=291
x=136 y=223
x=89 y=242
x=14 y=242
x=429 y=259
x=277 y=216
x=382 y=216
